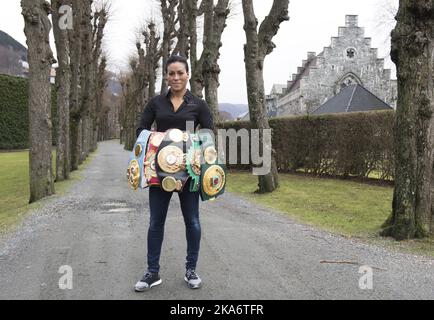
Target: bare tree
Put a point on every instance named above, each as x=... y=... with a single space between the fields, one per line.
x=123 y=80
x=101 y=115
x=139 y=86
x=259 y=44
x=63 y=73
x=196 y=79
x=413 y=53
x=86 y=76
x=215 y=23
x=182 y=34
x=153 y=55
x=37 y=28
x=124 y=111
x=81 y=77
x=98 y=66
x=86 y=40
x=168 y=11
x=204 y=69
x=135 y=91
x=139 y=78
x=134 y=88
x=75 y=40
x=109 y=119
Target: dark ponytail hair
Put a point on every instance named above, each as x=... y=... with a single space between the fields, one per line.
x=177 y=58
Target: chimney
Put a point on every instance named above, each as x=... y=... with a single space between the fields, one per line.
x=351 y=21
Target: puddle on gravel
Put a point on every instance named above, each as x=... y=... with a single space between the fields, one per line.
x=115 y=204
x=120 y=210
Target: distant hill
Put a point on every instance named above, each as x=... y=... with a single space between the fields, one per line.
x=233 y=109
x=224 y=116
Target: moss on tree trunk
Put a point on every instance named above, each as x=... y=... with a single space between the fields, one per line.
x=413 y=54
x=37 y=28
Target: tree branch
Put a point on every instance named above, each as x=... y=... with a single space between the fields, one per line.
x=269 y=27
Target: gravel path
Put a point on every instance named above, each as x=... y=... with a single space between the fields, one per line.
x=247 y=251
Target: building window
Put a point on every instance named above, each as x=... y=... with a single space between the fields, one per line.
x=347 y=80
x=351 y=52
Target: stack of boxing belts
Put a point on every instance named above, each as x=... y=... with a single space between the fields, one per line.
x=175 y=160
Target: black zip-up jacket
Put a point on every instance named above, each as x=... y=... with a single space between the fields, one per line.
x=160 y=109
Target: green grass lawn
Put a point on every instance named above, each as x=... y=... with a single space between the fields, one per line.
x=348 y=208
x=375 y=174
x=14 y=187
x=344 y=207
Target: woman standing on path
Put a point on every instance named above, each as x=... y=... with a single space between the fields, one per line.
x=172 y=110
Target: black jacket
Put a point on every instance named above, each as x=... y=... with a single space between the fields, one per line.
x=160 y=109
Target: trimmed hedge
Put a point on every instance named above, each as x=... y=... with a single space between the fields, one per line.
x=350 y=144
x=14 y=115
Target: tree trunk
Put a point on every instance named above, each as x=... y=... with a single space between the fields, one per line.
x=122 y=110
x=98 y=81
x=182 y=34
x=215 y=23
x=101 y=121
x=80 y=138
x=63 y=91
x=413 y=53
x=432 y=200
x=135 y=96
x=258 y=46
x=211 y=95
x=86 y=77
x=196 y=79
x=75 y=95
x=169 y=17
x=205 y=71
x=37 y=28
x=152 y=57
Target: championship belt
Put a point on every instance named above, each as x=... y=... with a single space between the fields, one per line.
x=135 y=173
x=171 y=160
x=150 y=169
x=213 y=174
x=193 y=162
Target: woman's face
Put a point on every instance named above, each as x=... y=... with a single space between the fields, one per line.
x=177 y=76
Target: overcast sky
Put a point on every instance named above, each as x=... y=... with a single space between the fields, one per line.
x=312 y=23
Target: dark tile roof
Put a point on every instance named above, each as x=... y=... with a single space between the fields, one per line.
x=352 y=99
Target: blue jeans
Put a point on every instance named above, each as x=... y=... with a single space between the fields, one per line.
x=159 y=203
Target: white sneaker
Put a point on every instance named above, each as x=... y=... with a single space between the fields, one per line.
x=149 y=280
x=192 y=278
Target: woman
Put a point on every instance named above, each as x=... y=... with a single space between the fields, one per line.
x=172 y=110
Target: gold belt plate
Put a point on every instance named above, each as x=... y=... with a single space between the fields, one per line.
x=171 y=159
